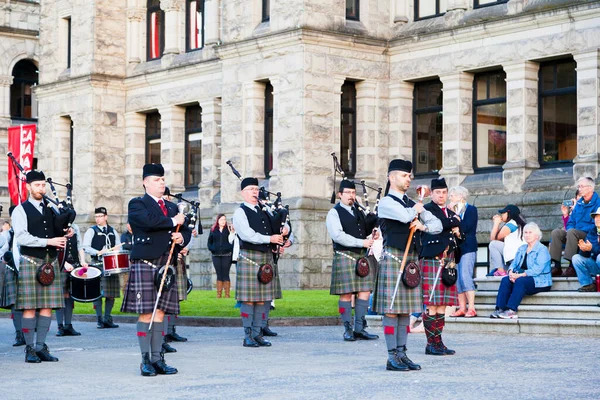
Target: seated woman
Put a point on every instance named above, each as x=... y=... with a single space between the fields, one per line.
x=505 y=239
x=529 y=274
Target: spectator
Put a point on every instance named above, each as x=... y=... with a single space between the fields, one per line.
x=529 y=274
x=566 y=208
x=580 y=223
x=505 y=240
x=465 y=286
x=587 y=262
x=221 y=249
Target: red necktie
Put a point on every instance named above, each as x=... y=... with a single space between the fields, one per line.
x=445 y=212
x=161 y=203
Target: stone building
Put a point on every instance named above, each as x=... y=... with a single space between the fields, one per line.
x=499 y=96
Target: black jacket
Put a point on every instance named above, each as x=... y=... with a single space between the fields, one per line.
x=433 y=245
x=218 y=242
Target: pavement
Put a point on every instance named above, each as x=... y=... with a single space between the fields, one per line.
x=307 y=362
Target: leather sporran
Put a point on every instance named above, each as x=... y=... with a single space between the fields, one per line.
x=449 y=274
x=265 y=274
x=362 y=267
x=45 y=274
x=169 y=279
x=411 y=276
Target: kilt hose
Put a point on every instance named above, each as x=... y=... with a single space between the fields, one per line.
x=8 y=289
x=181 y=281
x=407 y=300
x=343 y=275
x=442 y=295
x=31 y=294
x=247 y=286
x=140 y=294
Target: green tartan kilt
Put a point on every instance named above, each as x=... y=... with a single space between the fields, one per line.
x=31 y=295
x=181 y=281
x=277 y=282
x=247 y=286
x=343 y=276
x=8 y=288
x=65 y=278
x=111 y=286
x=442 y=295
x=407 y=300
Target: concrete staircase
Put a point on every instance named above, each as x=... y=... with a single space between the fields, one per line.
x=561 y=311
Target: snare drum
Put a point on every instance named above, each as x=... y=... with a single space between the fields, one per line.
x=115 y=262
x=87 y=286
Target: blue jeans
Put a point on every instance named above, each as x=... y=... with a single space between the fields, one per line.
x=511 y=294
x=465 y=282
x=587 y=268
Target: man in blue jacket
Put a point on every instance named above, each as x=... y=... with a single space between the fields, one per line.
x=580 y=223
x=587 y=262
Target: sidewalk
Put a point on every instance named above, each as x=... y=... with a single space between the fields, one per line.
x=303 y=363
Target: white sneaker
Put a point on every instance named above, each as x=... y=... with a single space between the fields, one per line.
x=508 y=314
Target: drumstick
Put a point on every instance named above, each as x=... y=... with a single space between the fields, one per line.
x=119 y=245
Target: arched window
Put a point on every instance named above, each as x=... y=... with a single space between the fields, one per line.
x=22 y=101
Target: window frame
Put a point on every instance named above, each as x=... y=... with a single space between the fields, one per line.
x=486 y=102
x=68 y=42
x=266 y=11
x=189 y=131
x=551 y=93
x=437 y=11
x=477 y=5
x=161 y=34
x=22 y=82
x=419 y=111
x=357 y=5
x=188 y=38
x=268 y=131
x=151 y=136
x=353 y=112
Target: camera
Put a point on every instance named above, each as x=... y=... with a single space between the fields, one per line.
x=568 y=203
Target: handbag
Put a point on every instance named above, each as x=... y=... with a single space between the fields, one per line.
x=169 y=279
x=362 y=268
x=45 y=274
x=449 y=274
x=411 y=275
x=265 y=273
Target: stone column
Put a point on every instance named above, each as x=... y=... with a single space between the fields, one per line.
x=135 y=16
x=587 y=162
x=172 y=146
x=521 y=124
x=401 y=120
x=210 y=183
x=135 y=154
x=454 y=5
x=254 y=129
x=457 y=135
x=61 y=134
x=5 y=83
x=401 y=14
x=366 y=130
x=172 y=25
x=212 y=22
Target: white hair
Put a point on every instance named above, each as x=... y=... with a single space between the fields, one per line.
x=460 y=191
x=535 y=228
x=586 y=179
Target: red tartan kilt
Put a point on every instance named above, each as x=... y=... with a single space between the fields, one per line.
x=442 y=295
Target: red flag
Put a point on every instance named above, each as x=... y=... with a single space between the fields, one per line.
x=21 y=140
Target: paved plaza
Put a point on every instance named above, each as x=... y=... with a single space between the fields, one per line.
x=304 y=363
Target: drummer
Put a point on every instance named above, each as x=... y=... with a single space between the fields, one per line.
x=97 y=241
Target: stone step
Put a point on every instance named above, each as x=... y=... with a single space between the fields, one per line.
x=558 y=284
x=546 y=298
x=548 y=312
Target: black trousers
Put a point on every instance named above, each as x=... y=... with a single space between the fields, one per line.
x=222 y=265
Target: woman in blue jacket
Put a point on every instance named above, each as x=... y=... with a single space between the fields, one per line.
x=529 y=274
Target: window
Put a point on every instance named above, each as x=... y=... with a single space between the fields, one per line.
x=427 y=127
x=558 y=111
x=429 y=8
x=266 y=10
x=489 y=119
x=22 y=100
x=155 y=30
x=348 y=129
x=268 y=129
x=485 y=3
x=352 y=10
x=193 y=146
x=153 y=138
x=68 y=42
x=195 y=24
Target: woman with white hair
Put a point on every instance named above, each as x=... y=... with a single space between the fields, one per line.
x=529 y=274
x=465 y=286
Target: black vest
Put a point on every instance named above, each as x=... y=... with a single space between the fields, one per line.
x=72 y=252
x=353 y=226
x=99 y=239
x=259 y=222
x=434 y=245
x=395 y=233
x=41 y=226
x=11 y=235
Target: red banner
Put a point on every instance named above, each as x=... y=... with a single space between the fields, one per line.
x=21 y=140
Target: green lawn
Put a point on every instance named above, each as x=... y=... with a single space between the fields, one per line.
x=203 y=303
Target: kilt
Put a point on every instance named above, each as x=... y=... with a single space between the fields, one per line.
x=277 y=283
x=343 y=276
x=181 y=281
x=247 y=286
x=31 y=295
x=442 y=295
x=111 y=286
x=64 y=281
x=407 y=300
x=8 y=290
x=140 y=295
x=123 y=277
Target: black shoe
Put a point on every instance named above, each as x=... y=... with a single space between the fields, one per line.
x=100 y=323
x=146 y=367
x=449 y=352
x=70 y=331
x=44 y=354
x=108 y=323
x=393 y=364
x=261 y=341
x=433 y=350
x=174 y=337
x=248 y=340
x=267 y=331
x=61 y=330
x=31 y=356
x=556 y=271
x=167 y=348
x=588 y=288
x=348 y=332
x=364 y=335
x=403 y=358
x=19 y=339
x=162 y=368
